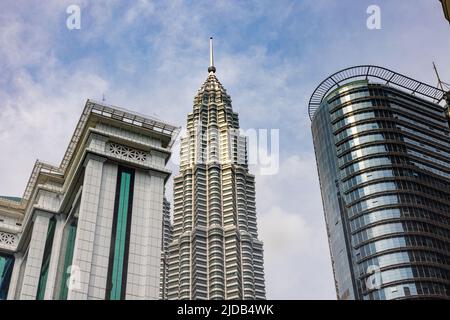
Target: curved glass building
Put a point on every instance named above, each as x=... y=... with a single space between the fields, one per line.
x=382 y=145
x=91 y=228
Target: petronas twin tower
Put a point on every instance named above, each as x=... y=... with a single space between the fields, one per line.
x=215 y=252
x=93 y=229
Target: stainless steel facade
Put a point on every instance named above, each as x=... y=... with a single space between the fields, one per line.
x=166 y=237
x=383 y=158
x=215 y=252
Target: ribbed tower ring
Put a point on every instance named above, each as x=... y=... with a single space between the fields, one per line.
x=367 y=72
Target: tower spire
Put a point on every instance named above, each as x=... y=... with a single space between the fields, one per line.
x=211 y=67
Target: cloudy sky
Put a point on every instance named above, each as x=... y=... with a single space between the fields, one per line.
x=152 y=56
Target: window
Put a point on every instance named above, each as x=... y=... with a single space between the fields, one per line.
x=118 y=259
x=407 y=291
x=6 y=266
x=71 y=233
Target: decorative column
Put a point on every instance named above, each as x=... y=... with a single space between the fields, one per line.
x=84 y=245
x=54 y=259
x=103 y=230
x=30 y=282
x=18 y=258
x=145 y=236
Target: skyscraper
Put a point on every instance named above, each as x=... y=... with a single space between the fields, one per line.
x=215 y=252
x=382 y=145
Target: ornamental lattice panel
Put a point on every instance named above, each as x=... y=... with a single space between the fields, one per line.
x=7 y=239
x=127 y=153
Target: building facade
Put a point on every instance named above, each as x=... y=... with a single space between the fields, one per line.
x=91 y=228
x=166 y=239
x=215 y=252
x=382 y=145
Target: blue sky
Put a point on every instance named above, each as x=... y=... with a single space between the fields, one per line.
x=152 y=56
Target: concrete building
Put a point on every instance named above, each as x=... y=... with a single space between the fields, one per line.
x=215 y=252
x=91 y=227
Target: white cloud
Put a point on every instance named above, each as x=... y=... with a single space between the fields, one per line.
x=285 y=234
x=141 y=9
x=38 y=118
x=291 y=222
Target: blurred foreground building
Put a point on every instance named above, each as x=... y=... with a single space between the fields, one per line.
x=215 y=252
x=446 y=8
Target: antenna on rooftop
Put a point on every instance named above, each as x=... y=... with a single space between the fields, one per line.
x=442 y=85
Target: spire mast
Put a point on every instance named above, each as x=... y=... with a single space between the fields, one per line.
x=211 y=67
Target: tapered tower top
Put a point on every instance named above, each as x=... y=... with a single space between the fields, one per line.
x=211 y=67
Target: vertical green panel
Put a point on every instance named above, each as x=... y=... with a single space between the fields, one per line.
x=120 y=236
x=72 y=231
x=46 y=259
x=6 y=266
x=2 y=265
